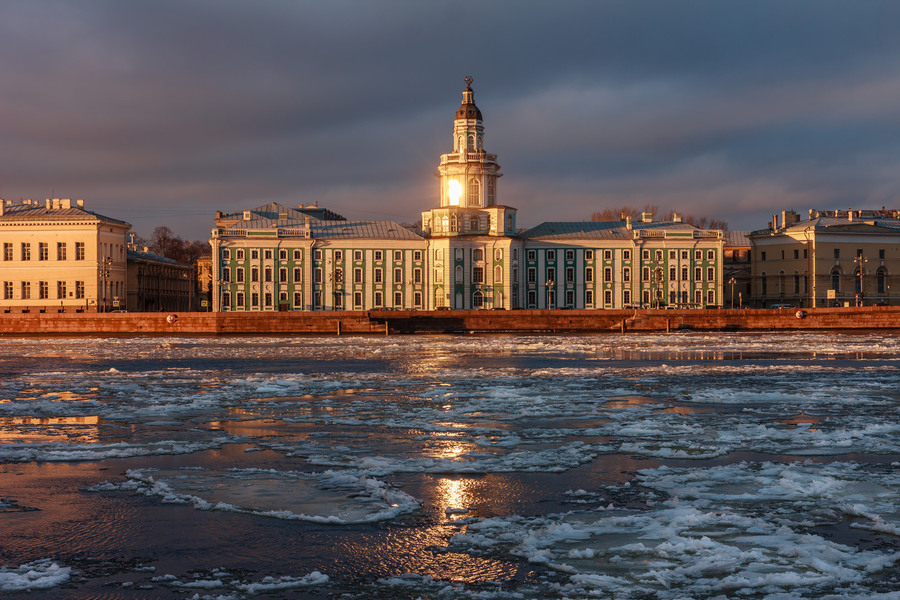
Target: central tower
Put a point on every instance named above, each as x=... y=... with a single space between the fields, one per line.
x=472 y=238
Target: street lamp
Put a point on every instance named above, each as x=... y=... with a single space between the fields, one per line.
x=732 y=282
x=658 y=274
x=549 y=285
x=860 y=261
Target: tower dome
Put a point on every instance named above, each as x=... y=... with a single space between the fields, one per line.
x=468 y=110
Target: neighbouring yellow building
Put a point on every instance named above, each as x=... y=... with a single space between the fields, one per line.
x=833 y=258
x=58 y=256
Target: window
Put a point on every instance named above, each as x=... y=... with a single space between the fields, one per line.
x=710 y=274
x=339 y=275
x=268 y=254
x=762 y=255
x=570 y=255
x=796 y=254
x=551 y=255
x=673 y=273
x=570 y=274
x=607 y=255
x=659 y=255
x=398 y=255
x=459 y=254
x=710 y=297
x=226 y=253
x=498 y=255
x=60 y=290
x=254 y=299
x=398 y=275
x=239 y=273
x=626 y=297
x=570 y=298
x=532 y=298
x=438 y=276
x=379 y=275
x=551 y=274
x=589 y=297
x=268 y=299
x=298 y=275
x=357 y=275
x=283 y=274
x=357 y=299
x=531 y=255
x=698 y=255
x=268 y=274
x=226 y=274
x=607 y=274
x=763 y=284
x=317 y=275
x=240 y=300
x=254 y=274
x=478 y=254
x=298 y=299
x=532 y=275
x=240 y=256
x=298 y=254
x=837 y=252
x=26 y=251
x=684 y=255
x=589 y=254
x=398 y=298
x=379 y=255
x=796 y=283
x=339 y=255
x=711 y=255
x=859 y=252
x=645 y=274
x=698 y=297
x=881 y=254
x=646 y=255
x=338 y=301
x=881 y=279
x=438 y=254
x=26 y=290
x=357 y=255
x=473 y=224
x=417 y=299
x=673 y=254
x=254 y=255
x=698 y=274
x=282 y=254
x=626 y=254
x=626 y=274
x=7 y=251
x=684 y=273
x=477 y=275
x=43 y=251
x=282 y=297
x=589 y=275
x=226 y=300
x=7 y=290
x=417 y=255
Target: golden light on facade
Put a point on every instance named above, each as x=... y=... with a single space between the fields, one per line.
x=454 y=191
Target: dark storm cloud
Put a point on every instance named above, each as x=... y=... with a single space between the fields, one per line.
x=163 y=112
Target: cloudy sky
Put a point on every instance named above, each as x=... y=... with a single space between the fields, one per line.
x=162 y=112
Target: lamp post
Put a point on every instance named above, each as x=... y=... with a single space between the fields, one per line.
x=549 y=285
x=860 y=261
x=658 y=275
x=732 y=282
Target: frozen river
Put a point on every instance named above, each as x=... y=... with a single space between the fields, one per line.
x=669 y=466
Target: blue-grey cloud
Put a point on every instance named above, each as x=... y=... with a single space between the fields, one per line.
x=163 y=112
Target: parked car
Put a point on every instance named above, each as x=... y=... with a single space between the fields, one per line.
x=780 y=306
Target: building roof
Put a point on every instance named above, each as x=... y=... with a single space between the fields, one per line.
x=737 y=239
x=53 y=210
x=836 y=222
x=467 y=110
x=135 y=255
x=591 y=230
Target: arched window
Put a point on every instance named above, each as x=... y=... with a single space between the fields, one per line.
x=453 y=225
x=473 y=224
x=881 y=280
x=781 y=282
x=478 y=254
x=474 y=192
x=836 y=279
x=471 y=144
x=498 y=274
x=477 y=300
x=684 y=273
x=459 y=274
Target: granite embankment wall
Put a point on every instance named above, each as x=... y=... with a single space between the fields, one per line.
x=391 y=322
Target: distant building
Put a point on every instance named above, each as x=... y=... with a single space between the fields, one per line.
x=469 y=254
x=832 y=258
x=203 y=299
x=156 y=283
x=737 y=271
x=58 y=256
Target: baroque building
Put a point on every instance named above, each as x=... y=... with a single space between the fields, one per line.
x=469 y=254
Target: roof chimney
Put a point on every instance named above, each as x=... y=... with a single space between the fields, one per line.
x=627 y=222
x=646 y=217
x=676 y=218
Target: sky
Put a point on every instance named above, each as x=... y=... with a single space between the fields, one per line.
x=163 y=112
